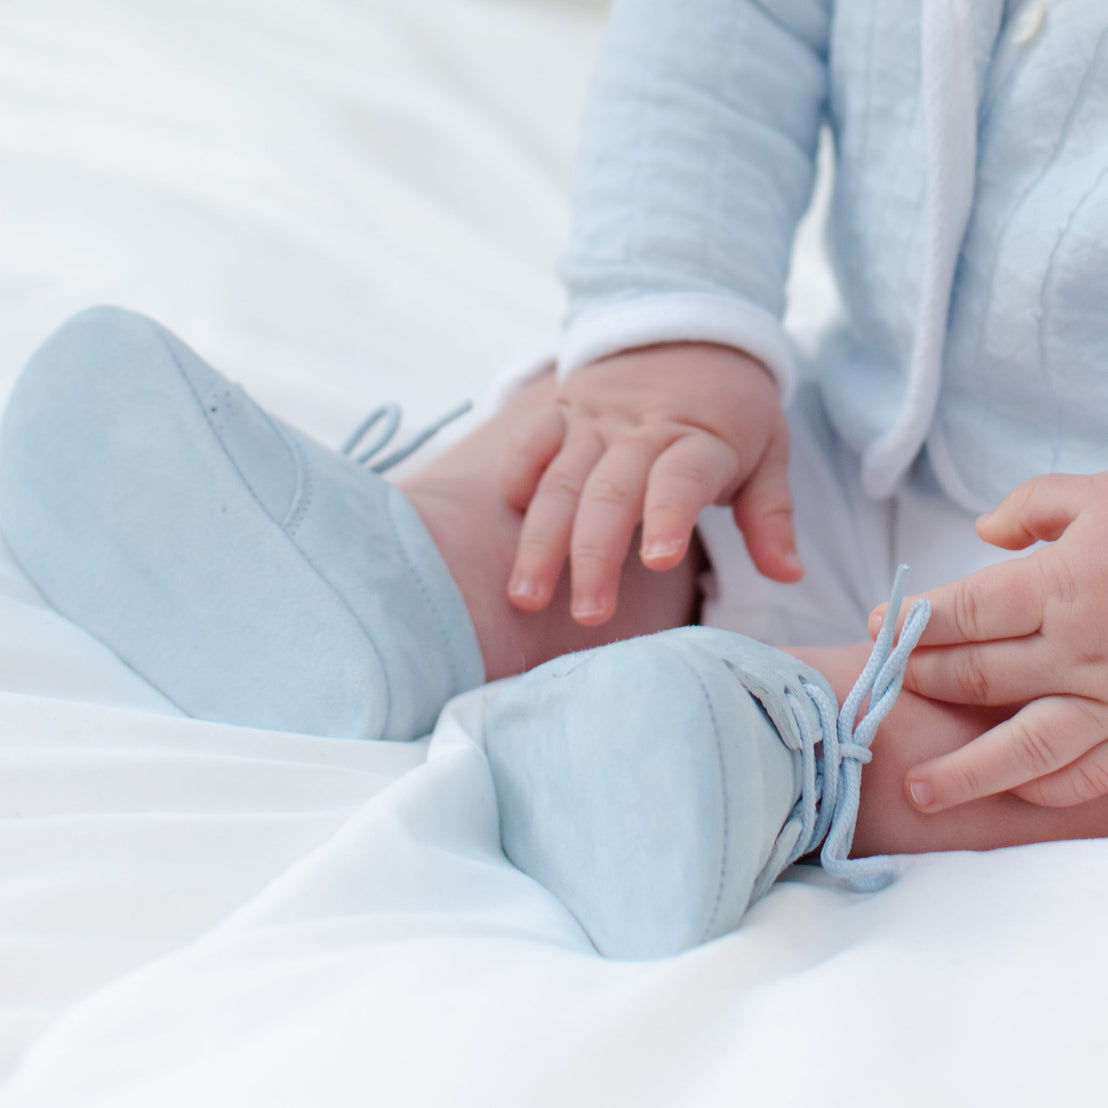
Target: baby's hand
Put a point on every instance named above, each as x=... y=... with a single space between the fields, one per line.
x=1031 y=633
x=652 y=436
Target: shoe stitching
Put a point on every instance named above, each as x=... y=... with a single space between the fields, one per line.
x=304 y=495
x=303 y=499
x=724 y=859
x=437 y=614
x=296 y=548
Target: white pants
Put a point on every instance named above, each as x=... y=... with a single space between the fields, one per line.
x=850 y=545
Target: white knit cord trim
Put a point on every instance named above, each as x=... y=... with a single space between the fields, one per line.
x=681 y=317
x=949 y=95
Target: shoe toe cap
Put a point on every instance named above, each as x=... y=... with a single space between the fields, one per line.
x=630 y=784
x=130 y=509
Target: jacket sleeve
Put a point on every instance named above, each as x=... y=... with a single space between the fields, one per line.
x=696 y=163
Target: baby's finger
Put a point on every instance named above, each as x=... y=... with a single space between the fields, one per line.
x=1002 y=601
x=533 y=444
x=547 y=526
x=763 y=511
x=1039 y=509
x=608 y=512
x=688 y=475
x=1080 y=781
x=1004 y=671
x=1039 y=739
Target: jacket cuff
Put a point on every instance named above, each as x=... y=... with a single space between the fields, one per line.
x=681 y=317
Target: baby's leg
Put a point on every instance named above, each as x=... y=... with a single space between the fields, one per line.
x=252 y=575
x=458 y=498
x=917 y=729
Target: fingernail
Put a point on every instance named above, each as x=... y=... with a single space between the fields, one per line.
x=876 y=618
x=921 y=793
x=982 y=523
x=523 y=588
x=792 y=562
x=587 y=608
x=661 y=548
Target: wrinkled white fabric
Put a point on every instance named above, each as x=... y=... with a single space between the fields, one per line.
x=339 y=203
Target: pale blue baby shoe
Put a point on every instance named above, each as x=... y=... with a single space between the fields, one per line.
x=660 y=785
x=248 y=573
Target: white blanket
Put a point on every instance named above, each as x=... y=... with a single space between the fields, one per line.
x=339 y=203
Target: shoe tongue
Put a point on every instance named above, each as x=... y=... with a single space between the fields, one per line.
x=769 y=687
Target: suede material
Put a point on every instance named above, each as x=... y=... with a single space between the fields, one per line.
x=646 y=787
x=159 y=508
x=370 y=545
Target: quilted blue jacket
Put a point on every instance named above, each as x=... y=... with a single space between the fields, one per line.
x=968 y=230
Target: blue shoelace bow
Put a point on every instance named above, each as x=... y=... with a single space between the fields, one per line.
x=831 y=778
x=391 y=414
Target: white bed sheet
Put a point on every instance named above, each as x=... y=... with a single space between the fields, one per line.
x=339 y=202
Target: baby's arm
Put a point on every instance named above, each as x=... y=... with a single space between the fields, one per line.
x=696 y=163
x=1032 y=634
x=652 y=437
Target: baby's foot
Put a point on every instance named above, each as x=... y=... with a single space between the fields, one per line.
x=248 y=573
x=660 y=785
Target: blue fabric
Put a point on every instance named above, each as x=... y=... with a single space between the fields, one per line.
x=248 y=573
x=697 y=161
x=644 y=786
x=660 y=785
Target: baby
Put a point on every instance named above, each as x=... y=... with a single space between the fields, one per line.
x=968 y=231
x=257 y=578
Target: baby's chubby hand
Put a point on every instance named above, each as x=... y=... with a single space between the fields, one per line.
x=1031 y=633
x=649 y=436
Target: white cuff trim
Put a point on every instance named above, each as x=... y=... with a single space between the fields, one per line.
x=681 y=317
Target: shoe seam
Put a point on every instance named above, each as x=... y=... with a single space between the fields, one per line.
x=304 y=495
x=295 y=546
x=441 y=622
x=725 y=808
x=300 y=510
x=302 y=503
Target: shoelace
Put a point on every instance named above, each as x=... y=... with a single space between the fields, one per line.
x=831 y=778
x=391 y=415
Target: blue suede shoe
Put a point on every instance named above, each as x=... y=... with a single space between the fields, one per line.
x=251 y=575
x=659 y=786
